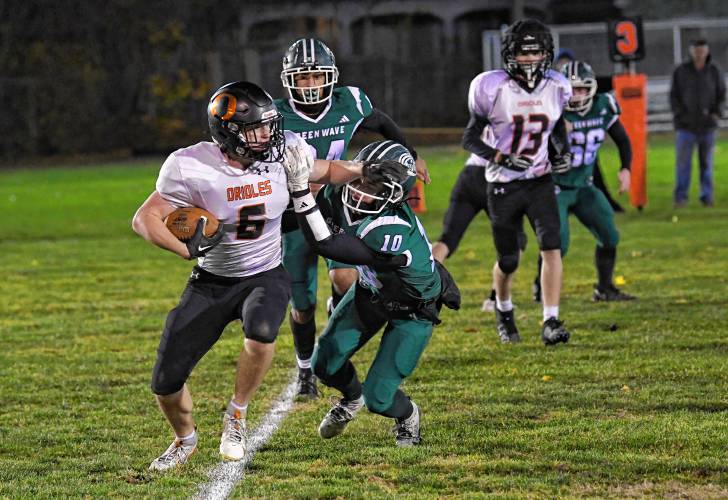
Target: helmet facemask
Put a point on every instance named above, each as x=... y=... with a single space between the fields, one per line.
x=310 y=95
x=529 y=72
x=364 y=198
x=581 y=103
x=580 y=76
x=246 y=141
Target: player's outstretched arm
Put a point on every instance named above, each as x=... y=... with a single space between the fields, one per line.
x=340 y=247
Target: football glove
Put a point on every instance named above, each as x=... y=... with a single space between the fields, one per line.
x=517 y=163
x=382 y=171
x=561 y=164
x=298 y=163
x=199 y=244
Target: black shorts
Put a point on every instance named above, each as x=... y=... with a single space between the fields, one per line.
x=468 y=197
x=509 y=202
x=208 y=304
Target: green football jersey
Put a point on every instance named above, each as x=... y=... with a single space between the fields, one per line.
x=586 y=137
x=398 y=231
x=329 y=134
x=333 y=210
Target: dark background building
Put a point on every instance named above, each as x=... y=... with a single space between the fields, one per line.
x=135 y=75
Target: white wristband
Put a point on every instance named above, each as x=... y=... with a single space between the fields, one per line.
x=304 y=203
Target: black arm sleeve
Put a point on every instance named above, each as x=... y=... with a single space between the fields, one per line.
x=472 y=138
x=381 y=123
x=349 y=249
x=559 y=139
x=621 y=139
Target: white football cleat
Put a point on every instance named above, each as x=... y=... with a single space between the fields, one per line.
x=232 y=442
x=408 y=429
x=177 y=454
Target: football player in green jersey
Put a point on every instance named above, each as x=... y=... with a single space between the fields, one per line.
x=591 y=116
x=326 y=117
x=405 y=299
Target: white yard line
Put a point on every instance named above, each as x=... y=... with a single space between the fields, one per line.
x=224 y=476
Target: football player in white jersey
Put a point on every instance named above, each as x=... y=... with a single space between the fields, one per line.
x=239 y=178
x=516 y=126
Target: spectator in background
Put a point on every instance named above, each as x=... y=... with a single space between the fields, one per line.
x=696 y=97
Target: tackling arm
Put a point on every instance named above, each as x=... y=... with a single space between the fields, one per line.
x=335 y=171
x=340 y=247
x=380 y=122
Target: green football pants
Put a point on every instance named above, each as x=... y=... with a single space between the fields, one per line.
x=593 y=210
x=301 y=262
x=354 y=322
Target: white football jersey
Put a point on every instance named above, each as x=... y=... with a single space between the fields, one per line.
x=249 y=202
x=520 y=122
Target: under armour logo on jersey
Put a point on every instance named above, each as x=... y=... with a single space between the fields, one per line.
x=344 y=119
x=195 y=275
x=499 y=191
x=260 y=170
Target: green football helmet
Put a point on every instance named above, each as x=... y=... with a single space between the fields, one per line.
x=362 y=196
x=309 y=55
x=580 y=76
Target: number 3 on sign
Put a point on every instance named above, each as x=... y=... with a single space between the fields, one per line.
x=627 y=42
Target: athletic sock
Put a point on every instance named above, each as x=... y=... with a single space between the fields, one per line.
x=345 y=381
x=303 y=364
x=550 y=312
x=189 y=440
x=604 y=258
x=505 y=305
x=233 y=407
x=304 y=337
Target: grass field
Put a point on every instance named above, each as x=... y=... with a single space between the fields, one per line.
x=640 y=411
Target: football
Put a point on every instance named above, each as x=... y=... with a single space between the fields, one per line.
x=183 y=221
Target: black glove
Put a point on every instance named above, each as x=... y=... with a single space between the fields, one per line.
x=199 y=244
x=561 y=164
x=517 y=163
x=382 y=171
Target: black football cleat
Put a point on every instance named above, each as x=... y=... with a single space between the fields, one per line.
x=506 y=325
x=554 y=332
x=610 y=293
x=306 y=389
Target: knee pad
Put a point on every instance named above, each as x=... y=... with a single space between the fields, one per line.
x=261 y=331
x=379 y=395
x=164 y=385
x=508 y=263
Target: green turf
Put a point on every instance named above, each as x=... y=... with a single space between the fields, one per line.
x=640 y=411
